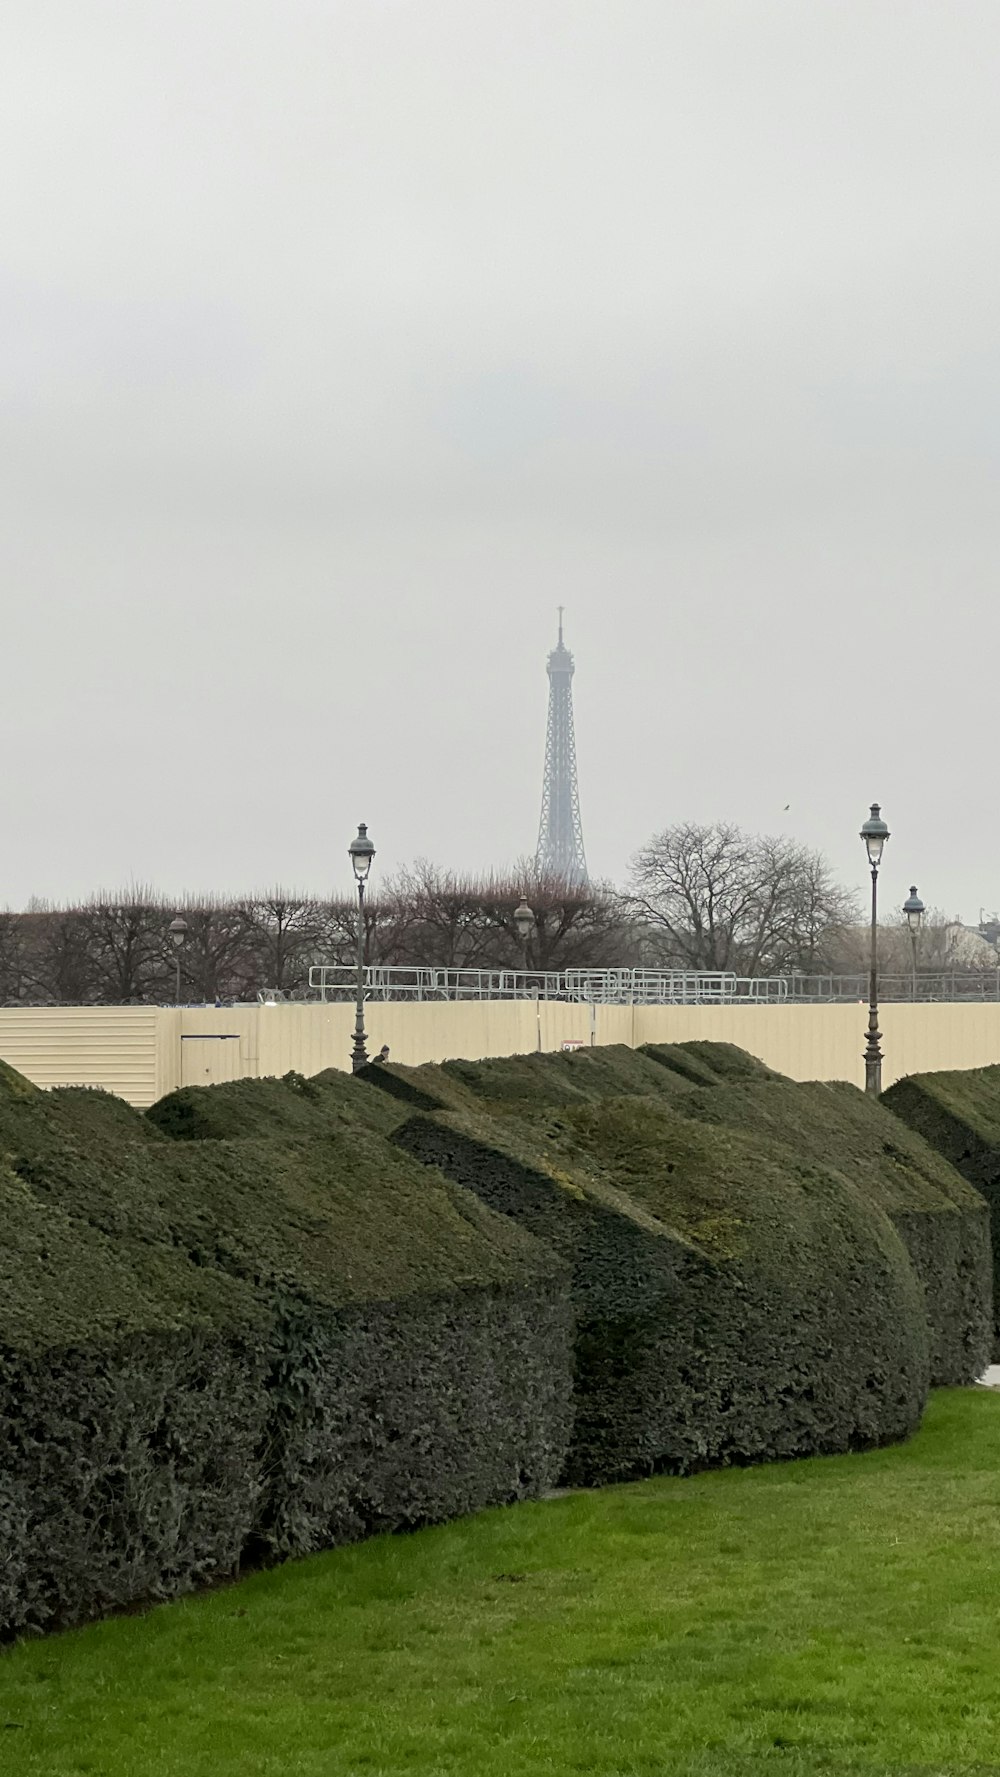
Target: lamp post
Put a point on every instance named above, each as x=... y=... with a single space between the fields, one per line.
x=524 y=920
x=913 y=908
x=178 y=937
x=361 y=852
x=874 y=833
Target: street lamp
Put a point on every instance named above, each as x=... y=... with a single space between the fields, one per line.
x=874 y=833
x=913 y=907
x=178 y=929
x=524 y=920
x=361 y=852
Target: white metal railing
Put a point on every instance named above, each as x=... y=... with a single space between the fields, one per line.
x=642 y=987
x=338 y=981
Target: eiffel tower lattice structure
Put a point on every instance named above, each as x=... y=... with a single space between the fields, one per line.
x=560 y=851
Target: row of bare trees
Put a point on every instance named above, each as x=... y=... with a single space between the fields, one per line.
x=117 y=949
x=699 y=897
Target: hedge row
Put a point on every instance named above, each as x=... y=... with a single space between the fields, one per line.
x=275 y=1315
x=730 y=1307
x=940 y=1220
x=958 y=1114
x=486 y=1125
x=219 y=1352
x=734 y=1302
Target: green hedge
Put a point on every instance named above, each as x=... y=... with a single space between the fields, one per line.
x=249 y=1325
x=612 y=1070
x=214 y=1352
x=733 y=1304
x=709 y=1064
x=580 y=1075
x=940 y=1219
x=133 y=1404
x=958 y=1114
x=294 y=1106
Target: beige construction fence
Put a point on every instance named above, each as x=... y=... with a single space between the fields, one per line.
x=141 y=1052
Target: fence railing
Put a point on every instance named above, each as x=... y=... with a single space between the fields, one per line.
x=644 y=987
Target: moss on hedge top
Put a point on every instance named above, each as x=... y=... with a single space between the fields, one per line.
x=293 y=1106
x=104 y=1236
x=65 y=1282
x=346 y=1219
x=709 y=1064
x=703 y=1183
x=970 y=1097
x=838 y=1125
x=587 y=1075
x=611 y=1070
x=515 y=1079
x=15 y=1086
x=93 y=1115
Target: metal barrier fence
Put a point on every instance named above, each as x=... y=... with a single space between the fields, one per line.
x=644 y=987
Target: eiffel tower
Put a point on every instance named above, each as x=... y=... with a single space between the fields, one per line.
x=560 y=832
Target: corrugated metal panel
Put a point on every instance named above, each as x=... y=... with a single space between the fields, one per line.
x=139 y=1052
x=109 y=1046
x=211 y=1057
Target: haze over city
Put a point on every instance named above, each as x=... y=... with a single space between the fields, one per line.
x=343 y=343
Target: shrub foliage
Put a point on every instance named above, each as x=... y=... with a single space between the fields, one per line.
x=941 y=1221
x=221 y=1351
x=275 y=1315
x=937 y=1216
x=958 y=1114
x=733 y=1302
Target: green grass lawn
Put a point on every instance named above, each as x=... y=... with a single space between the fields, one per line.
x=838 y=1615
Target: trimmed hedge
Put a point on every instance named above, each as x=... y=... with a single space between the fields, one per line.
x=709 y=1064
x=132 y=1408
x=958 y=1114
x=587 y=1075
x=249 y=1325
x=218 y=1352
x=612 y=1070
x=238 y=1110
x=733 y=1304
x=938 y=1218
x=941 y=1221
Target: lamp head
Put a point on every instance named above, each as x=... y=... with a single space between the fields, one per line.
x=361 y=852
x=874 y=833
x=178 y=930
x=524 y=920
x=914 y=909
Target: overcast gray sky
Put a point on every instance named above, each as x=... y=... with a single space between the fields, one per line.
x=341 y=342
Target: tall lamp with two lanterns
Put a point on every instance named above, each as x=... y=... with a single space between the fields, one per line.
x=361 y=852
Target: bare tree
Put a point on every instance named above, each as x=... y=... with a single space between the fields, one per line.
x=216 y=959
x=440 y=919
x=577 y=926
x=61 y=967
x=15 y=959
x=283 y=932
x=124 y=937
x=715 y=897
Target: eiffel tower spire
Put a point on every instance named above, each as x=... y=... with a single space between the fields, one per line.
x=560 y=832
